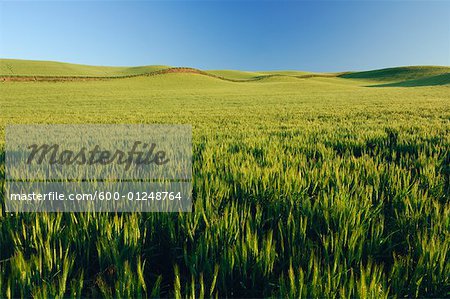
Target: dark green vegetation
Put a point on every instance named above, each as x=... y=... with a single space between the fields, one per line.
x=405 y=76
x=441 y=79
x=311 y=187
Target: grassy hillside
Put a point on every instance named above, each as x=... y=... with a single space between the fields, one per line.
x=233 y=74
x=442 y=79
x=391 y=77
x=399 y=74
x=288 y=73
x=315 y=188
x=15 y=67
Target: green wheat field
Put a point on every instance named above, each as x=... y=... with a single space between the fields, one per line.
x=304 y=185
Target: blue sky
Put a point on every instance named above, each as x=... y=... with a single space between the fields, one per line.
x=245 y=35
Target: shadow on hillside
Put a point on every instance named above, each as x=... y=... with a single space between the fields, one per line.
x=442 y=79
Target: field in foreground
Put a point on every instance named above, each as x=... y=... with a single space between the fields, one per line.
x=312 y=187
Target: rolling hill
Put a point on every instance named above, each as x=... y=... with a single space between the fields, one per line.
x=17 y=67
x=237 y=75
x=404 y=76
x=411 y=76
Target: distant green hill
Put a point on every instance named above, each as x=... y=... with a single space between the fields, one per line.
x=244 y=75
x=16 y=67
x=404 y=76
x=442 y=79
x=391 y=77
x=288 y=73
x=236 y=75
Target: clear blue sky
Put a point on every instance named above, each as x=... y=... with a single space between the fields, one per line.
x=246 y=35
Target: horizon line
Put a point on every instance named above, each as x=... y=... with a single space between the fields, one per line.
x=221 y=69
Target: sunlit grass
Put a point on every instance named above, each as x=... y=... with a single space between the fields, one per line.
x=313 y=187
